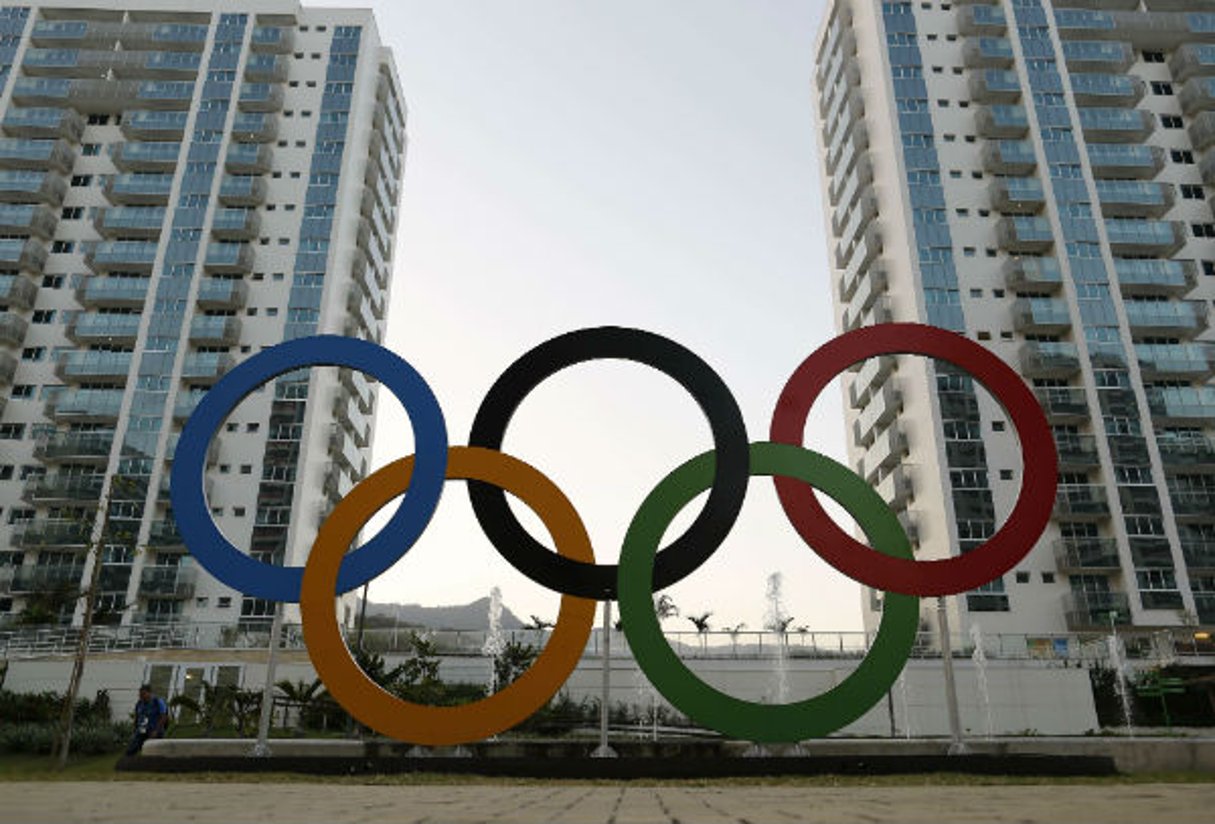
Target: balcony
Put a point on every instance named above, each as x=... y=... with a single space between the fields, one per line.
x=8 y=368
x=249 y=158
x=235 y=224
x=1113 y=125
x=1197 y=95
x=1110 y=160
x=53 y=533
x=1104 y=90
x=147 y=124
x=1020 y=233
x=113 y=292
x=1081 y=502
x=222 y=294
x=215 y=330
x=55 y=487
x=74 y=34
x=1178 y=318
x=1080 y=555
x=85 y=405
x=1193 y=405
x=884 y=406
x=1076 y=452
x=91 y=447
x=228 y=259
x=163 y=36
x=1009 y=157
x=869 y=378
x=273 y=39
x=29 y=579
x=25 y=255
x=145 y=157
x=1036 y=274
x=50 y=123
x=1193 y=504
x=121 y=255
x=1017 y=195
x=1144 y=238
x=1186 y=451
x=897 y=489
x=1041 y=316
x=1063 y=404
x=266 y=68
x=139 y=188
x=988 y=52
x=1192 y=60
x=36 y=155
x=357 y=384
x=185 y=404
x=1002 y=120
x=1134 y=198
x=240 y=190
x=254 y=127
x=995 y=86
x=981 y=19
x=12 y=329
x=1175 y=361
x=94 y=328
x=25 y=186
x=885 y=453
x=1048 y=359
x=1199 y=554
x=1092 y=611
x=82 y=366
x=260 y=97
x=130 y=222
x=167 y=581
x=17 y=292
x=28 y=219
x=1145 y=276
x=866 y=294
x=342 y=448
x=1098 y=56
x=206 y=367
x=165 y=535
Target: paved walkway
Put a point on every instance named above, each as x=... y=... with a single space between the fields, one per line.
x=173 y=803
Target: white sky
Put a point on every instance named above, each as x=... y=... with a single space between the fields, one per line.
x=648 y=164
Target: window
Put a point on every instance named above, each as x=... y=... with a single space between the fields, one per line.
x=12 y=431
x=1048 y=577
x=22 y=391
x=42 y=316
x=1181 y=155
x=1192 y=191
x=1006 y=474
x=224 y=602
x=99 y=119
x=72 y=213
x=62 y=247
x=997 y=426
x=52 y=281
x=82 y=180
x=1208 y=268
x=1203 y=229
x=1171 y=121
x=90 y=149
x=1162 y=87
x=1022 y=577
x=1153 y=57
x=33 y=353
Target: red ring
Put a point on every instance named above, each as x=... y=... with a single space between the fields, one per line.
x=948 y=576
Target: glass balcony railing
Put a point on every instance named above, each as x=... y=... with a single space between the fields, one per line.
x=1116 y=125
x=1192 y=502
x=1017 y=195
x=1021 y=233
x=85 y=404
x=140 y=156
x=1013 y=157
x=52 y=532
x=186 y=403
x=1118 y=160
x=1081 y=501
x=164 y=533
x=228 y=257
x=988 y=51
x=1076 y=450
x=1166 y=316
x=1146 y=237
x=46 y=122
x=254 y=127
x=272 y=39
x=1087 y=554
x=88 y=365
x=1182 y=403
x=26 y=218
x=26 y=186
x=1096 y=610
x=154 y=124
x=215 y=329
x=75 y=446
x=1134 y=197
x=25 y=255
x=1049 y=358
x=17 y=292
x=1165 y=360
x=143 y=221
x=270 y=68
x=44 y=578
x=251 y=158
x=1087 y=21
x=1149 y=275
x=28 y=153
x=122 y=255
x=222 y=293
x=260 y=97
x=165 y=93
x=139 y=188
x=113 y=291
x=1199 y=553
x=1098 y=55
x=167 y=581
x=1185 y=449
x=240 y=190
x=201 y=366
x=12 y=329
x=1033 y=273
x=1192 y=59
x=1063 y=402
x=1096 y=89
x=63 y=487
x=235 y=223
x=93 y=326
x=1003 y=120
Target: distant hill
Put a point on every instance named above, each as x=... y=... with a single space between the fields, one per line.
x=466 y=616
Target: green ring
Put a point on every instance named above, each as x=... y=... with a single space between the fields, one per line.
x=773 y=723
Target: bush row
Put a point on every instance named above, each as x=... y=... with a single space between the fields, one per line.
x=38 y=738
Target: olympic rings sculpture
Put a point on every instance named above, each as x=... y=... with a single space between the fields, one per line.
x=888 y=564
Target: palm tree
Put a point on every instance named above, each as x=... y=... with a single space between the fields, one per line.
x=212 y=708
x=734 y=630
x=701 y=622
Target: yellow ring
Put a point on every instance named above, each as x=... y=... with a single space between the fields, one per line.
x=420 y=723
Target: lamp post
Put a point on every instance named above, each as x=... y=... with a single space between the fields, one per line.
x=956 y=745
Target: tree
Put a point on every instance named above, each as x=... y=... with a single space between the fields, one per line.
x=734 y=630
x=664 y=607
x=303 y=696
x=701 y=622
x=212 y=708
x=539 y=624
x=246 y=704
x=512 y=662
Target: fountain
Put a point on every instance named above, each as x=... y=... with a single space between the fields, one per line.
x=979 y=656
x=494 y=642
x=777 y=620
x=1117 y=662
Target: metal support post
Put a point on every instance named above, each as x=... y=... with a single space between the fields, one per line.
x=604 y=750
x=956 y=746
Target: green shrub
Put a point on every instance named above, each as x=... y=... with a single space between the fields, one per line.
x=87 y=739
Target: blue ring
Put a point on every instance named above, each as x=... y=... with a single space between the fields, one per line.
x=255 y=578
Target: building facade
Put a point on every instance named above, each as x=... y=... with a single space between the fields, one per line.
x=182 y=184
x=1033 y=176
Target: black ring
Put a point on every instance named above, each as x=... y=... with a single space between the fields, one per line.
x=730 y=477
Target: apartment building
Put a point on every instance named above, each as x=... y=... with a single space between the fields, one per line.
x=1034 y=176
x=181 y=185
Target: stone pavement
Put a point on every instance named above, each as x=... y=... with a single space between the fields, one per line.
x=124 y=802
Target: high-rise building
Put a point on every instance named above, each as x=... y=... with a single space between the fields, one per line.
x=182 y=184
x=1033 y=176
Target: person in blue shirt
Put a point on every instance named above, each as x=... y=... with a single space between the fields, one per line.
x=151 y=718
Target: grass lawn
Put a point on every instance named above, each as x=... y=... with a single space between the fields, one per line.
x=101 y=768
